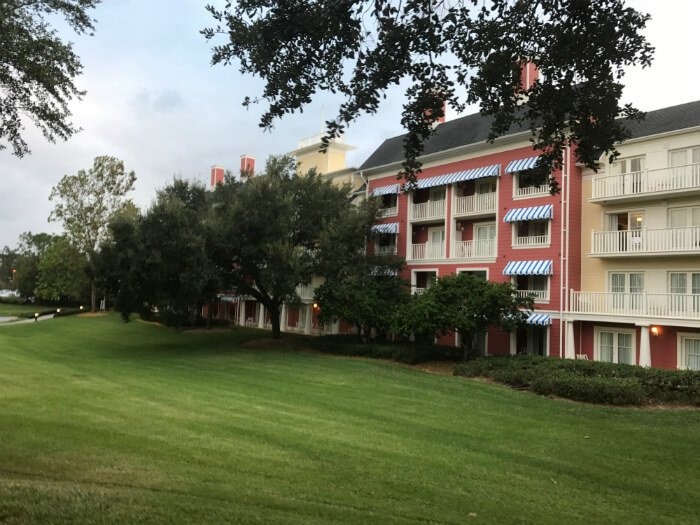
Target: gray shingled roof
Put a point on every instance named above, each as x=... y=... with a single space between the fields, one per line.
x=475 y=128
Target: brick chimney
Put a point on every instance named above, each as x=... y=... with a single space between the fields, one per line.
x=217 y=176
x=247 y=166
x=529 y=74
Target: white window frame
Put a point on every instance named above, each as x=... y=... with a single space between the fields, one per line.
x=680 y=350
x=390 y=212
x=396 y=243
x=688 y=277
x=625 y=160
x=608 y=279
x=615 y=330
x=416 y=270
x=514 y=282
x=480 y=269
x=514 y=236
x=516 y=188
x=476 y=225
x=689 y=215
x=688 y=155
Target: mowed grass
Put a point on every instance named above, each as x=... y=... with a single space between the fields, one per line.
x=105 y=422
x=20 y=310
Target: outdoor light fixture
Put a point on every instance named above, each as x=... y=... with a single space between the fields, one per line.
x=58 y=310
x=81 y=306
x=655 y=330
x=315 y=306
x=36 y=317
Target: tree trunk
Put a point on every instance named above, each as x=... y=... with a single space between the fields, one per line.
x=93 y=297
x=274 y=319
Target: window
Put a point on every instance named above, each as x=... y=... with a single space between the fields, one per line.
x=626 y=282
x=436 y=235
x=683 y=157
x=627 y=166
x=615 y=346
x=532 y=340
x=689 y=352
x=624 y=221
x=683 y=217
x=389 y=205
x=385 y=244
x=681 y=284
x=486 y=186
x=537 y=285
x=485 y=231
x=529 y=183
x=481 y=274
x=531 y=233
x=437 y=194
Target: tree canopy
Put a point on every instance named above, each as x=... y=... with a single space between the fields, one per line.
x=62 y=272
x=38 y=68
x=86 y=201
x=461 y=52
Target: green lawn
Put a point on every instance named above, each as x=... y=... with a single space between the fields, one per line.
x=20 y=310
x=103 y=422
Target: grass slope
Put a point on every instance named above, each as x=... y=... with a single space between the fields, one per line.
x=103 y=422
x=20 y=310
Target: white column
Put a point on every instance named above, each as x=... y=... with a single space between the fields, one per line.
x=570 y=350
x=241 y=311
x=644 y=347
x=283 y=318
x=513 y=343
x=309 y=315
x=261 y=316
x=335 y=328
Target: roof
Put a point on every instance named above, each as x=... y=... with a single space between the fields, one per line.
x=475 y=128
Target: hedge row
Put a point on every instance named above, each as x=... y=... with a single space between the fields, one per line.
x=409 y=353
x=589 y=381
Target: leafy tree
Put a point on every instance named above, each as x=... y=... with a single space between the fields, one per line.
x=461 y=52
x=280 y=230
x=38 y=69
x=465 y=303
x=62 y=272
x=21 y=264
x=86 y=201
x=367 y=296
x=26 y=274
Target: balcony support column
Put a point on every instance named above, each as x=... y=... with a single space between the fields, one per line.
x=644 y=347
x=241 y=311
x=261 y=316
x=283 y=318
x=308 y=320
x=570 y=348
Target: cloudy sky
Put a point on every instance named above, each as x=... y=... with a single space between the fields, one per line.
x=154 y=101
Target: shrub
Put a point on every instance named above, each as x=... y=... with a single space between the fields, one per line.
x=409 y=353
x=588 y=380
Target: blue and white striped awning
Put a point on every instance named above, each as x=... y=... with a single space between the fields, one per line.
x=530 y=214
x=385 y=190
x=522 y=164
x=389 y=227
x=459 y=176
x=539 y=319
x=528 y=268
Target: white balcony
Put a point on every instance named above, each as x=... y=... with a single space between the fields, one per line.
x=654 y=305
x=389 y=212
x=539 y=296
x=433 y=209
x=533 y=241
x=428 y=250
x=385 y=250
x=666 y=241
x=647 y=183
x=532 y=191
x=305 y=292
x=476 y=249
x=474 y=204
x=417 y=291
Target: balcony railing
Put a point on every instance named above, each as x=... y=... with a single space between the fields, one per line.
x=658 y=305
x=644 y=242
x=385 y=250
x=305 y=292
x=428 y=250
x=417 y=290
x=389 y=212
x=433 y=209
x=532 y=191
x=540 y=296
x=531 y=241
x=472 y=204
x=673 y=179
x=475 y=249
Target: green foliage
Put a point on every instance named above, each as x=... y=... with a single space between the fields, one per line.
x=590 y=381
x=365 y=295
x=278 y=230
x=461 y=302
x=86 y=201
x=458 y=52
x=403 y=352
x=38 y=69
x=62 y=273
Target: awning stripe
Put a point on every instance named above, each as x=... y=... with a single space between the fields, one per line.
x=528 y=268
x=389 y=227
x=539 y=319
x=385 y=190
x=530 y=214
x=459 y=176
x=522 y=164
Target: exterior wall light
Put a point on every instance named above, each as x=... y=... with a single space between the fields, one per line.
x=36 y=317
x=655 y=330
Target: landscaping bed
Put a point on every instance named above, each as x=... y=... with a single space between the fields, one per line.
x=588 y=381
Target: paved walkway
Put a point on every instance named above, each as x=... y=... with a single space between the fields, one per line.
x=23 y=321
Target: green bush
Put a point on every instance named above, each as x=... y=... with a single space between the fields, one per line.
x=409 y=353
x=590 y=381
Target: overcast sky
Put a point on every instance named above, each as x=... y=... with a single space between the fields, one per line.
x=154 y=101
